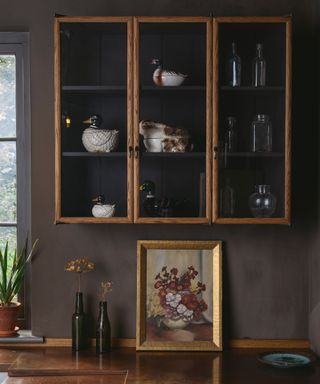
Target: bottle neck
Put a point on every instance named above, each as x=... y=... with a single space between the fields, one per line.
x=103 y=307
x=259 y=51
x=262 y=118
x=234 y=49
x=262 y=189
x=231 y=122
x=103 y=313
x=79 y=302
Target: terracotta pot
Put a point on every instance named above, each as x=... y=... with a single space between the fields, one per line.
x=8 y=319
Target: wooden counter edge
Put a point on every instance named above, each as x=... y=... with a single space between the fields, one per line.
x=131 y=343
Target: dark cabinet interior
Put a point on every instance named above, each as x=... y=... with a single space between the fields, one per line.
x=242 y=169
x=93 y=81
x=179 y=178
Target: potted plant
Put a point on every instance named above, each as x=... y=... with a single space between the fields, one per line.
x=12 y=271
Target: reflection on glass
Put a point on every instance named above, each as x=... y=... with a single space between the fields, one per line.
x=7 y=96
x=8 y=188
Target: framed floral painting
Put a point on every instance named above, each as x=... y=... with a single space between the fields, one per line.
x=179 y=294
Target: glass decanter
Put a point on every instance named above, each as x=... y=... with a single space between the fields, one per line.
x=262 y=202
x=234 y=68
x=259 y=68
x=261 y=134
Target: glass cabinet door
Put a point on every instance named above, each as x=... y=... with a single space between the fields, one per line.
x=173 y=123
x=93 y=119
x=252 y=120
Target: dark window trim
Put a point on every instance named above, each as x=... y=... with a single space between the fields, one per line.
x=18 y=44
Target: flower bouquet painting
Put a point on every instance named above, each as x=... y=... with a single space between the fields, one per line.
x=177 y=298
x=179 y=295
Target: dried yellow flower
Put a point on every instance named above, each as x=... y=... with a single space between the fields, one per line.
x=79 y=266
x=106 y=287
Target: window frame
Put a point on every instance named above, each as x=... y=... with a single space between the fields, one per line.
x=17 y=43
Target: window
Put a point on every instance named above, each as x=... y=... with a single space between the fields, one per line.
x=15 y=148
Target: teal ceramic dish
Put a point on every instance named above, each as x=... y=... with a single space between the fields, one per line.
x=281 y=359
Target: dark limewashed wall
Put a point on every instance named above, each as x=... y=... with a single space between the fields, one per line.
x=265 y=268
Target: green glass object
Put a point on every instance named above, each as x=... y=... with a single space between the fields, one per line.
x=103 y=331
x=79 y=340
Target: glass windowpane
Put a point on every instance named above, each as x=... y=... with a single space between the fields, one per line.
x=8 y=234
x=7 y=96
x=8 y=182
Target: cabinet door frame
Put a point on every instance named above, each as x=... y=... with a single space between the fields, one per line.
x=286 y=219
x=57 y=118
x=136 y=102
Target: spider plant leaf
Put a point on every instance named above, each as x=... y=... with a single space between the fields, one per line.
x=4 y=265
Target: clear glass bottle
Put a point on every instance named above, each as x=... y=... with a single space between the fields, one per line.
x=227 y=199
x=259 y=68
x=234 y=68
x=262 y=202
x=230 y=139
x=261 y=134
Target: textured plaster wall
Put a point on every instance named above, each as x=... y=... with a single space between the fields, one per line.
x=265 y=268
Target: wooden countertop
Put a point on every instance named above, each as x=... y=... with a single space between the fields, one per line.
x=126 y=366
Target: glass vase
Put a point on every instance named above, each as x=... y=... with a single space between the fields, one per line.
x=79 y=340
x=262 y=202
x=103 y=330
x=261 y=134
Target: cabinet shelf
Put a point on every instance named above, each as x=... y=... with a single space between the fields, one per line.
x=227 y=88
x=93 y=88
x=183 y=88
x=254 y=154
x=174 y=154
x=94 y=154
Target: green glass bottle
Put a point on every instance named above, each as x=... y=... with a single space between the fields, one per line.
x=79 y=340
x=103 y=331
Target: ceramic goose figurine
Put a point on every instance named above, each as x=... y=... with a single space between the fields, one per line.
x=100 y=209
x=166 y=78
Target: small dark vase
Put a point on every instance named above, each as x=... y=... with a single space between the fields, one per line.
x=103 y=331
x=79 y=340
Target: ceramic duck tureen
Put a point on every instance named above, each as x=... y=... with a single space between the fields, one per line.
x=100 y=209
x=166 y=78
x=96 y=139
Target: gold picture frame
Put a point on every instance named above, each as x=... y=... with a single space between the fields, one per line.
x=179 y=295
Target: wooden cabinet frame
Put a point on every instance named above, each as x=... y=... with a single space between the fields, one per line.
x=288 y=104
x=212 y=120
x=57 y=102
x=136 y=98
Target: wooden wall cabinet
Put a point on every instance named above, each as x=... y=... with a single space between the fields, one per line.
x=102 y=66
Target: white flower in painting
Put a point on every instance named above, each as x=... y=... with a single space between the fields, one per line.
x=170 y=297
x=181 y=308
x=173 y=304
x=188 y=315
x=177 y=297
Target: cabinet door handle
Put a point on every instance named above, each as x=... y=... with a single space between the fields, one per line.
x=130 y=151
x=215 y=149
x=136 y=152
